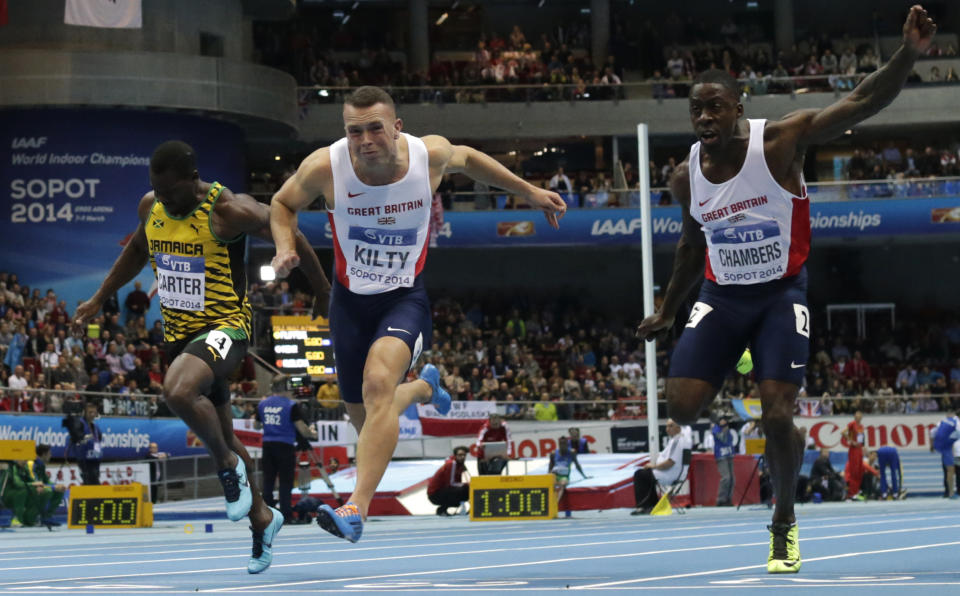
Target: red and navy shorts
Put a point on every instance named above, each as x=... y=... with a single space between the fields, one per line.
x=358 y=320
x=771 y=319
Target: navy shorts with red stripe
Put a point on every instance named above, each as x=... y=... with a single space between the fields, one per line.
x=771 y=319
x=358 y=320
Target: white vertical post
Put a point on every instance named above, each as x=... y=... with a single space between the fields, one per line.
x=646 y=247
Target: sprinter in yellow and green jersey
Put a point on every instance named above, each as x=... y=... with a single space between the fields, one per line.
x=191 y=231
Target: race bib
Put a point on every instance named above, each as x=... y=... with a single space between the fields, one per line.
x=96 y=451
x=181 y=281
x=747 y=254
x=561 y=469
x=220 y=342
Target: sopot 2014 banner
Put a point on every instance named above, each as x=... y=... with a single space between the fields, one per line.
x=72 y=180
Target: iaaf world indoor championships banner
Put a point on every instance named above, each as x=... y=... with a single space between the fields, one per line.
x=71 y=180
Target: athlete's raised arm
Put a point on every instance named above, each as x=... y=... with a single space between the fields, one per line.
x=132 y=259
x=312 y=178
x=688 y=262
x=480 y=166
x=876 y=91
x=242 y=214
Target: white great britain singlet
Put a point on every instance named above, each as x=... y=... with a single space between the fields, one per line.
x=756 y=230
x=380 y=233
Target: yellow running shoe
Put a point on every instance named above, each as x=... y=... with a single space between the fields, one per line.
x=784 y=549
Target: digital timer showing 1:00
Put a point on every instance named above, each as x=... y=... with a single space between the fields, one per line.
x=500 y=498
x=121 y=511
x=514 y=502
x=110 y=506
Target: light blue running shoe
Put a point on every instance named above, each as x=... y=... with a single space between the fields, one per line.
x=236 y=489
x=263 y=544
x=344 y=522
x=440 y=398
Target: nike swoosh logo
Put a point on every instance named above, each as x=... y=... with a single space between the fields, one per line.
x=795 y=365
x=395 y=329
x=705 y=202
x=351 y=195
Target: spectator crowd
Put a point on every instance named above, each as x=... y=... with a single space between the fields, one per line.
x=556 y=60
x=116 y=356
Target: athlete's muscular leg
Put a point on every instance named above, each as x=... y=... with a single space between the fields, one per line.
x=357 y=415
x=387 y=363
x=260 y=516
x=784 y=450
x=687 y=397
x=184 y=386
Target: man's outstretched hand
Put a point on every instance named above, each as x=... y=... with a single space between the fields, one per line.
x=552 y=205
x=86 y=311
x=656 y=326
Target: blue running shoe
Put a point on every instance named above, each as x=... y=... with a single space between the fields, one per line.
x=236 y=489
x=440 y=399
x=344 y=522
x=263 y=544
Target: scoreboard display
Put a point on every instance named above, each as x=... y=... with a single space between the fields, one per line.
x=302 y=345
x=110 y=506
x=512 y=498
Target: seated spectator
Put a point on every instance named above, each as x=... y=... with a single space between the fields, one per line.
x=450 y=485
x=19 y=494
x=514 y=411
x=545 y=410
x=825 y=480
x=664 y=472
x=128 y=360
x=560 y=182
x=49 y=357
x=495 y=430
x=927 y=376
x=906 y=379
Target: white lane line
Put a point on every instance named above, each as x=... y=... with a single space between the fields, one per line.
x=501 y=541
x=402 y=536
x=339 y=549
x=748 y=567
x=621 y=555
x=458 y=530
x=286 y=541
x=533 y=535
x=593 y=557
x=46 y=590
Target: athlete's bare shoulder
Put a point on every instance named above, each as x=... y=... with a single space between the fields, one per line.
x=789 y=129
x=238 y=213
x=314 y=177
x=680 y=182
x=230 y=203
x=146 y=204
x=439 y=149
x=317 y=163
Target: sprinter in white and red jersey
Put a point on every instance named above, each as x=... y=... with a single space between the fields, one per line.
x=747 y=231
x=378 y=183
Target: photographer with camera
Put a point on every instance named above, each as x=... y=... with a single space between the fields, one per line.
x=450 y=485
x=282 y=420
x=89 y=445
